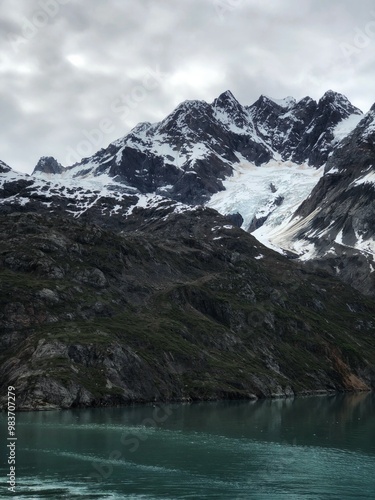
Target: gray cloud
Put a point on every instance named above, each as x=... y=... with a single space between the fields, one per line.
x=86 y=71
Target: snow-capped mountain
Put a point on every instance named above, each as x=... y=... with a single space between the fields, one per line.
x=189 y=154
x=118 y=286
x=298 y=173
x=97 y=199
x=335 y=224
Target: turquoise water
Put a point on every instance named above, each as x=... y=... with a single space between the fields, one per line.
x=303 y=448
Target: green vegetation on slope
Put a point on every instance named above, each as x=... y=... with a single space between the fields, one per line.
x=177 y=309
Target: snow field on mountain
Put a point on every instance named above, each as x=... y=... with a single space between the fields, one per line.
x=345 y=127
x=275 y=189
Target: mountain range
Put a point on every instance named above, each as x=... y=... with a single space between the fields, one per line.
x=132 y=276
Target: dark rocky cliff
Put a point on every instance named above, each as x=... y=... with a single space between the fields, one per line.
x=175 y=307
x=340 y=212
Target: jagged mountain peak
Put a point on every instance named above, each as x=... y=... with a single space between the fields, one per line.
x=280 y=104
x=184 y=115
x=232 y=115
x=300 y=131
x=189 y=106
x=141 y=128
x=4 y=168
x=261 y=102
x=287 y=102
x=136 y=135
x=337 y=100
x=332 y=95
x=48 y=165
x=198 y=144
x=225 y=99
x=306 y=101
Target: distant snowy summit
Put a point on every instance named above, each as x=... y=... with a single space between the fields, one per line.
x=189 y=154
x=299 y=175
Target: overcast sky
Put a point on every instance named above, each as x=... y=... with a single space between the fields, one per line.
x=77 y=74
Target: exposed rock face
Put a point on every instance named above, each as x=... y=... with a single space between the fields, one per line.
x=4 y=167
x=338 y=217
x=301 y=131
x=236 y=219
x=48 y=165
x=316 y=145
x=181 y=306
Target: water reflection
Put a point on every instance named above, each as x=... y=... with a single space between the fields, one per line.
x=292 y=420
x=313 y=448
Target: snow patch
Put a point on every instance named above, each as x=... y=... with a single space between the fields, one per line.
x=366 y=179
x=287 y=102
x=273 y=190
x=345 y=127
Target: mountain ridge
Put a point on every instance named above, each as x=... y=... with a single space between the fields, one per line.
x=121 y=282
x=264 y=161
x=206 y=140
